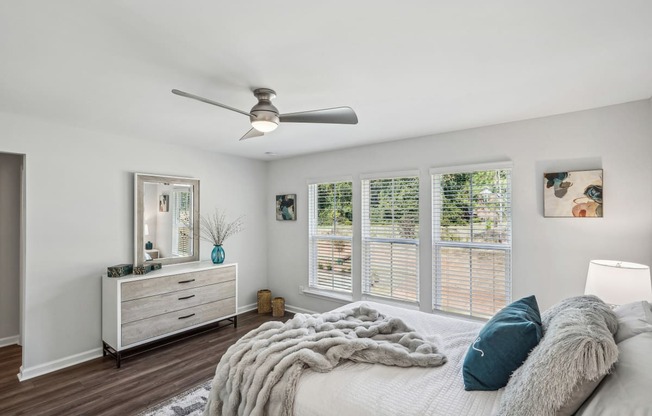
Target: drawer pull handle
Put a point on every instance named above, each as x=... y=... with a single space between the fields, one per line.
x=187 y=297
x=187 y=281
x=187 y=316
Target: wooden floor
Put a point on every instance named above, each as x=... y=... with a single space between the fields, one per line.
x=96 y=387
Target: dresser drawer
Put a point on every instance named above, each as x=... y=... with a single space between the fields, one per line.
x=173 y=321
x=156 y=286
x=141 y=308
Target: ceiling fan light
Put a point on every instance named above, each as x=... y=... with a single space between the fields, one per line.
x=264 y=126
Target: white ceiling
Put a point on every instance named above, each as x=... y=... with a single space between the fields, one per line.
x=408 y=68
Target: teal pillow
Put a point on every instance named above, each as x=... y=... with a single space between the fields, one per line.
x=502 y=345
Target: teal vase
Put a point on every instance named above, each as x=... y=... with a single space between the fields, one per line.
x=217 y=255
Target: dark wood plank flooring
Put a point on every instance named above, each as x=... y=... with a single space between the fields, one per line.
x=96 y=387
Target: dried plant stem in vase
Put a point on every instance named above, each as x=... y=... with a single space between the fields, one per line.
x=216 y=229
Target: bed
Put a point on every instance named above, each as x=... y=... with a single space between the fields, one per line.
x=358 y=388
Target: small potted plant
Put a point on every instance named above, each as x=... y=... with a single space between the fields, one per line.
x=216 y=229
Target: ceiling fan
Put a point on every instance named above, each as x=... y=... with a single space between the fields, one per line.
x=265 y=117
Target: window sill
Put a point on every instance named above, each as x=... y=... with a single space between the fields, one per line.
x=460 y=316
x=327 y=294
x=391 y=302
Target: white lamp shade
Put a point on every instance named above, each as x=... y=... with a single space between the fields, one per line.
x=618 y=282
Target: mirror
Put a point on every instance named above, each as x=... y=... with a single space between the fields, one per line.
x=166 y=220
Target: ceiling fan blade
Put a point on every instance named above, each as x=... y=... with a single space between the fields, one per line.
x=337 y=115
x=207 y=101
x=251 y=134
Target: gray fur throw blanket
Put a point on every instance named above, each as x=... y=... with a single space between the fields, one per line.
x=268 y=361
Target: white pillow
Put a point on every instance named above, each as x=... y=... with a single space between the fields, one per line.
x=633 y=319
x=626 y=391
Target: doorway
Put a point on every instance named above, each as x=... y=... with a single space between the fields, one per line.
x=12 y=208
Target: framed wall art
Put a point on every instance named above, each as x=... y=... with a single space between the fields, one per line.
x=573 y=194
x=286 y=207
x=164 y=203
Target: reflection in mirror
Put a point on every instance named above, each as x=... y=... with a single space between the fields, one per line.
x=165 y=226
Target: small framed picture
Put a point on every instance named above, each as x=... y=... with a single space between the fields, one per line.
x=286 y=209
x=164 y=203
x=573 y=194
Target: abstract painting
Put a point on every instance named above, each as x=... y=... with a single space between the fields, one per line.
x=286 y=207
x=573 y=194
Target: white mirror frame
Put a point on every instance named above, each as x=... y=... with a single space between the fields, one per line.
x=139 y=239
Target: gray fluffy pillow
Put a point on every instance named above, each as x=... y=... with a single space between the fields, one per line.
x=590 y=302
x=577 y=347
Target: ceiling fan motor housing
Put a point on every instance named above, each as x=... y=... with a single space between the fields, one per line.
x=264 y=115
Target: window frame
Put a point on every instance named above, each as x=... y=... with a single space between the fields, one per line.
x=314 y=238
x=177 y=224
x=366 y=239
x=438 y=243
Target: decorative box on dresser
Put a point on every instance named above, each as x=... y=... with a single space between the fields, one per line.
x=137 y=310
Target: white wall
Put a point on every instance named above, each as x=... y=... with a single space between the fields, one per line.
x=79 y=184
x=164 y=223
x=10 y=194
x=550 y=256
x=150 y=212
x=79 y=220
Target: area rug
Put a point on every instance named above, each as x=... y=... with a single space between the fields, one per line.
x=189 y=403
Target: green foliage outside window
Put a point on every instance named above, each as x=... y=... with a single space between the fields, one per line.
x=334 y=206
x=473 y=200
x=395 y=202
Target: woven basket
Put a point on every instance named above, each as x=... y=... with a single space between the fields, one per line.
x=264 y=301
x=278 y=307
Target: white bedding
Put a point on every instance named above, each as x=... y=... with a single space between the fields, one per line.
x=375 y=389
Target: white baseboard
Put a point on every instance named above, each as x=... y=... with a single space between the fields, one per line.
x=247 y=308
x=296 y=309
x=39 y=370
x=4 y=342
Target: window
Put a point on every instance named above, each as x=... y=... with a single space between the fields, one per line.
x=472 y=242
x=181 y=218
x=390 y=238
x=330 y=233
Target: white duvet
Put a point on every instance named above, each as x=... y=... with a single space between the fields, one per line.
x=375 y=389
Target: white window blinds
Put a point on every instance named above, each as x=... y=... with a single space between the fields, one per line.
x=181 y=213
x=330 y=232
x=472 y=245
x=390 y=238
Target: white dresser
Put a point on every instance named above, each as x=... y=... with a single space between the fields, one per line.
x=137 y=310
